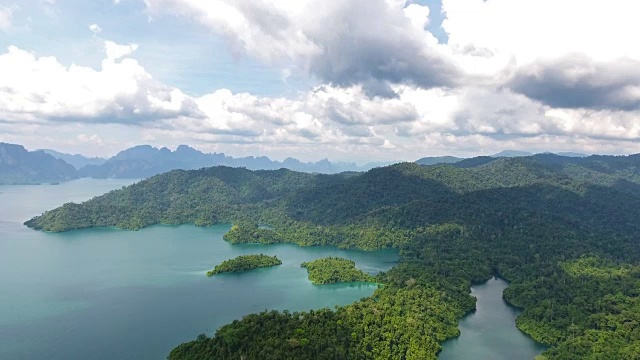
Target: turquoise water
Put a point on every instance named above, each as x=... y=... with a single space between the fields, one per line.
x=490 y=332
x=111 y=294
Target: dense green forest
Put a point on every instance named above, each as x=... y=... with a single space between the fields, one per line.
x=563 y=231
x=245 y=262
x=331 y=270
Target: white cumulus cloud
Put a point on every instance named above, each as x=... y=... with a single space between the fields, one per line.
x=533 y=29
x=372 y=43
x=116 y=51
x=570 y=53
x=38 y=89
x=95 y=29
x=381 y=43
x=6 y=18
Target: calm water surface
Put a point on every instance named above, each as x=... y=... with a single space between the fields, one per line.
x=110 y=294
x=490 y=332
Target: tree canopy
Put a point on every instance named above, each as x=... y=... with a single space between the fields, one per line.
x=331 y=270
x=244 y=263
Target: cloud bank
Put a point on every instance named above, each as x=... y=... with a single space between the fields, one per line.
x=539 y=75
x=34 y=89
x=343 y=43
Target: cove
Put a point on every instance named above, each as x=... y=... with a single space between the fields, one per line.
x=490 y=333
x=112 y=294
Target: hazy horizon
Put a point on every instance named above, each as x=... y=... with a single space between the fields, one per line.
x=281 y=159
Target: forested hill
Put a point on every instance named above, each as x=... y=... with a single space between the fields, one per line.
x=564 y=232
x=545 y=183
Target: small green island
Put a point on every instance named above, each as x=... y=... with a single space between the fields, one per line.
x=245 y=262
x=332 y=270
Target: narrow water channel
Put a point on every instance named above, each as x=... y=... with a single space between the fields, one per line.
x=490 y=332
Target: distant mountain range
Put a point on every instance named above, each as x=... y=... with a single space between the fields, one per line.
x=435 y=160
x=19 y=166
x=77 y=161
x=516 y=153
x=144 y=161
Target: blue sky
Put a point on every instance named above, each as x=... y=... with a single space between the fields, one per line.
x=194 y=60
x=175 y=50
x=356 y=80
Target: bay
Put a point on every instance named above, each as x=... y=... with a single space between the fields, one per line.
x=112 y=294
x=490 y=333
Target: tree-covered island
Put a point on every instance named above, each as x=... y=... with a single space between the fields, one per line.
x=331 y=270
x=245 y=262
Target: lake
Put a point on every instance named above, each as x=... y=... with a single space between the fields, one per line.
x=112 y=294
x=490 y=332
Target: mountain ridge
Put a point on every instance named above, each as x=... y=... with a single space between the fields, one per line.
x=76 y=160
x=143 y=161
x=19 y=166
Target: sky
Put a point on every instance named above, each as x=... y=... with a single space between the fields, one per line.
x=348 y=80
